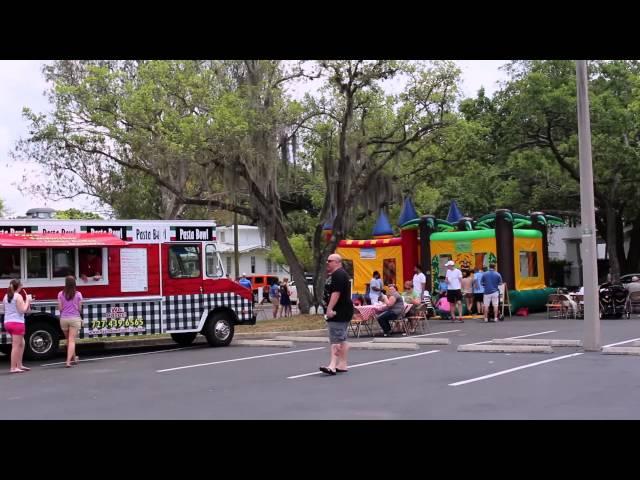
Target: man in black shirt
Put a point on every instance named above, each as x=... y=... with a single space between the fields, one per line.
x=339 y=310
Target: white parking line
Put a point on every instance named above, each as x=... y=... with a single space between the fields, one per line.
x=621 y=343
x=368 y=363
x=521 y=336
x=504 y=372
x=239 y=359
x=120 y=356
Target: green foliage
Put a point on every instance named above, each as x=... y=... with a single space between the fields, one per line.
x=301 y=248
x=75 y=214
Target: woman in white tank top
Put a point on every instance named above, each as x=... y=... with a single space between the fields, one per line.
x=14 y=310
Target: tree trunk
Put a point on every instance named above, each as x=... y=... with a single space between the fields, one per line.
x=297 y=272
x=633 y=259
x=614 y=263
x=622 y=258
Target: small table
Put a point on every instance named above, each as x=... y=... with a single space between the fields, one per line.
x=367 y=312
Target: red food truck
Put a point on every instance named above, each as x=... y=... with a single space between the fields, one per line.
x=137 y=277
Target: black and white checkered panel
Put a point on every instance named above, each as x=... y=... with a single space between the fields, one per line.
x=242 y=306
x=183 y=312
x=149 y=310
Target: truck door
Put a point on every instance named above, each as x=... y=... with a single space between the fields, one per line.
x=182 y=273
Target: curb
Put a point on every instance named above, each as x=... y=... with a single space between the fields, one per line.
x=418 y=341
x=99 y=346
x=621 y=350
x=489 y=348
x=537 y=341
x=385 y=346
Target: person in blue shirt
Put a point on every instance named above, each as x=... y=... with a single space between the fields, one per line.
x=478 y=289
x=491 y=281
x=244 y=281
x=274 y=297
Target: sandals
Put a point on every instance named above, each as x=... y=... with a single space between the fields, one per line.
x=340 y=370
x=24 y=369
x=327 y=370
x=16 y=371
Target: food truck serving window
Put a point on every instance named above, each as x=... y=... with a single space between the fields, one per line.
x=49 y=266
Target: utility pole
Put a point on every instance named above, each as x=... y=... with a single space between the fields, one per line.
x=591 y=341
x=236 y=254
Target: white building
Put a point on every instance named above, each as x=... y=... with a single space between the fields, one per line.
x=564 y=244
x=252 y=252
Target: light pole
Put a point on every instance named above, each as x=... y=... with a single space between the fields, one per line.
x=591 y=340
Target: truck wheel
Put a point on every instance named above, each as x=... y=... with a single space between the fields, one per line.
x=5 y=348
x=219 y=330
x=184 y=339
x=41 y=341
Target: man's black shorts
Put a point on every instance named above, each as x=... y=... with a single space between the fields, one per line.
x=478 y=297
x=454 y=296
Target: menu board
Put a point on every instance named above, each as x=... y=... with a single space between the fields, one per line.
x=133 y=270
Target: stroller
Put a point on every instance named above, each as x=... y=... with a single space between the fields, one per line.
x=614 y=301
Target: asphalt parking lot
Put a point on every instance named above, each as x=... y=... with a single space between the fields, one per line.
x=434 y=382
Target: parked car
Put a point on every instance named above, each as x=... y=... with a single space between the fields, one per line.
x=628 y=277
x=263 y=281
x=294 y=290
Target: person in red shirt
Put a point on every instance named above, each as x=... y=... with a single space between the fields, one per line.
x=90 y=265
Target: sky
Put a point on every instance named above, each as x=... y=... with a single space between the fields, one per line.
x=22 y=85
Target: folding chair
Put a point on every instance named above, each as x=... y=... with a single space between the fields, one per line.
x=504 y=301
x=358 y=322
x=556 y=303
x=418 y=316
x=634 y=300
x=402 y=320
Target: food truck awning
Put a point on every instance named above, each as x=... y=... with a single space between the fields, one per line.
x=63 y=240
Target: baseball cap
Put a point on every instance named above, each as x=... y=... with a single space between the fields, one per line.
x=449 y=263
x=244 y=274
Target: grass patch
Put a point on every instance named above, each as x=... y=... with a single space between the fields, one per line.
x=297 y=322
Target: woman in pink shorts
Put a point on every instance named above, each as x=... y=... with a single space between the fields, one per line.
x=14 y=310
x=70 y=305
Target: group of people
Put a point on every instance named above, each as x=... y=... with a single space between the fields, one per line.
x=280 y=298
x=480 y=290
x=15 y=307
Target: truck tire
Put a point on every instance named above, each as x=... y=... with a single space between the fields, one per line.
x=184 y=339
x=41 y=341
x=5 y=348
x=219 y=330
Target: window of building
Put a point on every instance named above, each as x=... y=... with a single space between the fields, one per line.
x=184 y=261
x=481 y=260
x=222 y=236
x=389 y=271
x=229 y=266
x=528 y=264
x=253 y=264
x=268 y=265
x=10 y=263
